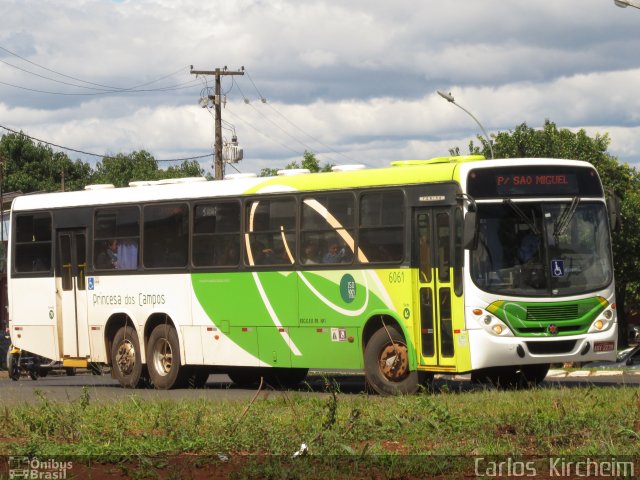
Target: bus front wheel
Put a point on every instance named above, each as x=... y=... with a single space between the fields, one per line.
x=533 y=375
x=125 y=358
x=386 y=363
x=163 y=358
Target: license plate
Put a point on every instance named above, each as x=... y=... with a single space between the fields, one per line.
x=603 y=346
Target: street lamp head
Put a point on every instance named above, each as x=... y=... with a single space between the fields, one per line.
x=621 y=3
x=447 y=96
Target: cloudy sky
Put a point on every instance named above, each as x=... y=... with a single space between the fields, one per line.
x=353 y=81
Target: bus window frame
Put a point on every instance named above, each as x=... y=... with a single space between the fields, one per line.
x=94 y=239
x=15 y=273
x=215 y=201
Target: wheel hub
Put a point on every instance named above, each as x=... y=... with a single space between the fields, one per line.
x=126 y=357
x=163 y=356
x=394 y=362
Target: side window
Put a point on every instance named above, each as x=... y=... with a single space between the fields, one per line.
x=116 y=238
x=216 y=234
x=166 y=235
x=33 y=243
x=381 y=233
x=443 y=233
x=458 y=262
x=327 y=229
x=270 y=232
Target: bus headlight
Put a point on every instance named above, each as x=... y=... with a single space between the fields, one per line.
x=491 y=323
x=602 y=324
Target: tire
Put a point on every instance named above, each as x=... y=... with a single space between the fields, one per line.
x=533 y=375
x=194 y=377
x=163 y=358
x=95 y=368
x=499 y=377
x=285 y=377
x=34 y=374
x=245 y=376
x=70 y=371
x=386 y=364
x=126 y=362
x=13 y=365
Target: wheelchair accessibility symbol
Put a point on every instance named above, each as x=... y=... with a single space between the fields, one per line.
x=557 y=268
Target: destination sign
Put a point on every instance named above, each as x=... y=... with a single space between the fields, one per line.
x=533 y=181
x=518 y=183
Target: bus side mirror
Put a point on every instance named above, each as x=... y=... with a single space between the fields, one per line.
x=470 y=231
x=613 y=207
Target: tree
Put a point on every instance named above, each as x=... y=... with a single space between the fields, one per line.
x=309 y=161
x=140 y=165
x=618 y=179
x=31 y=167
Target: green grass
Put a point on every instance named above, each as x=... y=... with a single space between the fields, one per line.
x=549 y=421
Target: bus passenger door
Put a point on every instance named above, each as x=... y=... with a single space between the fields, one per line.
x=433 y=241
x=71 y=293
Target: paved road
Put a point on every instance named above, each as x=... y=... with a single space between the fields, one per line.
x=103 y=388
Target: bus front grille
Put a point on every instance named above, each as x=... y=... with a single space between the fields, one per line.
x=550 y=348
x=552 y=312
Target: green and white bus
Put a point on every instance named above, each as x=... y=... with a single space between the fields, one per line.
x=448 y=265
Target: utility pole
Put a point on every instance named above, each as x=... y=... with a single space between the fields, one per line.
x=217 y=102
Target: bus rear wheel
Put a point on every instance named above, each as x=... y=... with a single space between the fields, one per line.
x=245 y=376
x=285 y=377
x=13 y=365
x=386 y=363
x=163 y=358
x=125 y=358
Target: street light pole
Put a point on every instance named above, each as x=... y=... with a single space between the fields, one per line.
x=449 y=98
x=627 y=3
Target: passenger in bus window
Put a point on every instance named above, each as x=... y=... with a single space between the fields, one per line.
x=334 y=255
x=231 y=254
x=108 y=256
x=127 y=255
x=310 y=254
x=263 y=255
x=528 y=246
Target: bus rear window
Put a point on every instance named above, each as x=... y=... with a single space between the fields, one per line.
x=33 y=243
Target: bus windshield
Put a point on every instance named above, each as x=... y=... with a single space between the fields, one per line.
x=551 y=248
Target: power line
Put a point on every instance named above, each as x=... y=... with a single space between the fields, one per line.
x=108 y=87
x=95 y=154
x=315 y=139
x=180 y=86
x=262 y=134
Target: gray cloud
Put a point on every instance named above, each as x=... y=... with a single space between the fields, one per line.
x=357 y=78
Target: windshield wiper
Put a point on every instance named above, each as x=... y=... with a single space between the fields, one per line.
x=523 y=216
x=560 y=225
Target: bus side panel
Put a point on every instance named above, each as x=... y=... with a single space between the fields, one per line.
x=139 y=298
x=335 y=305
x=253 y=310
x=33 y=316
